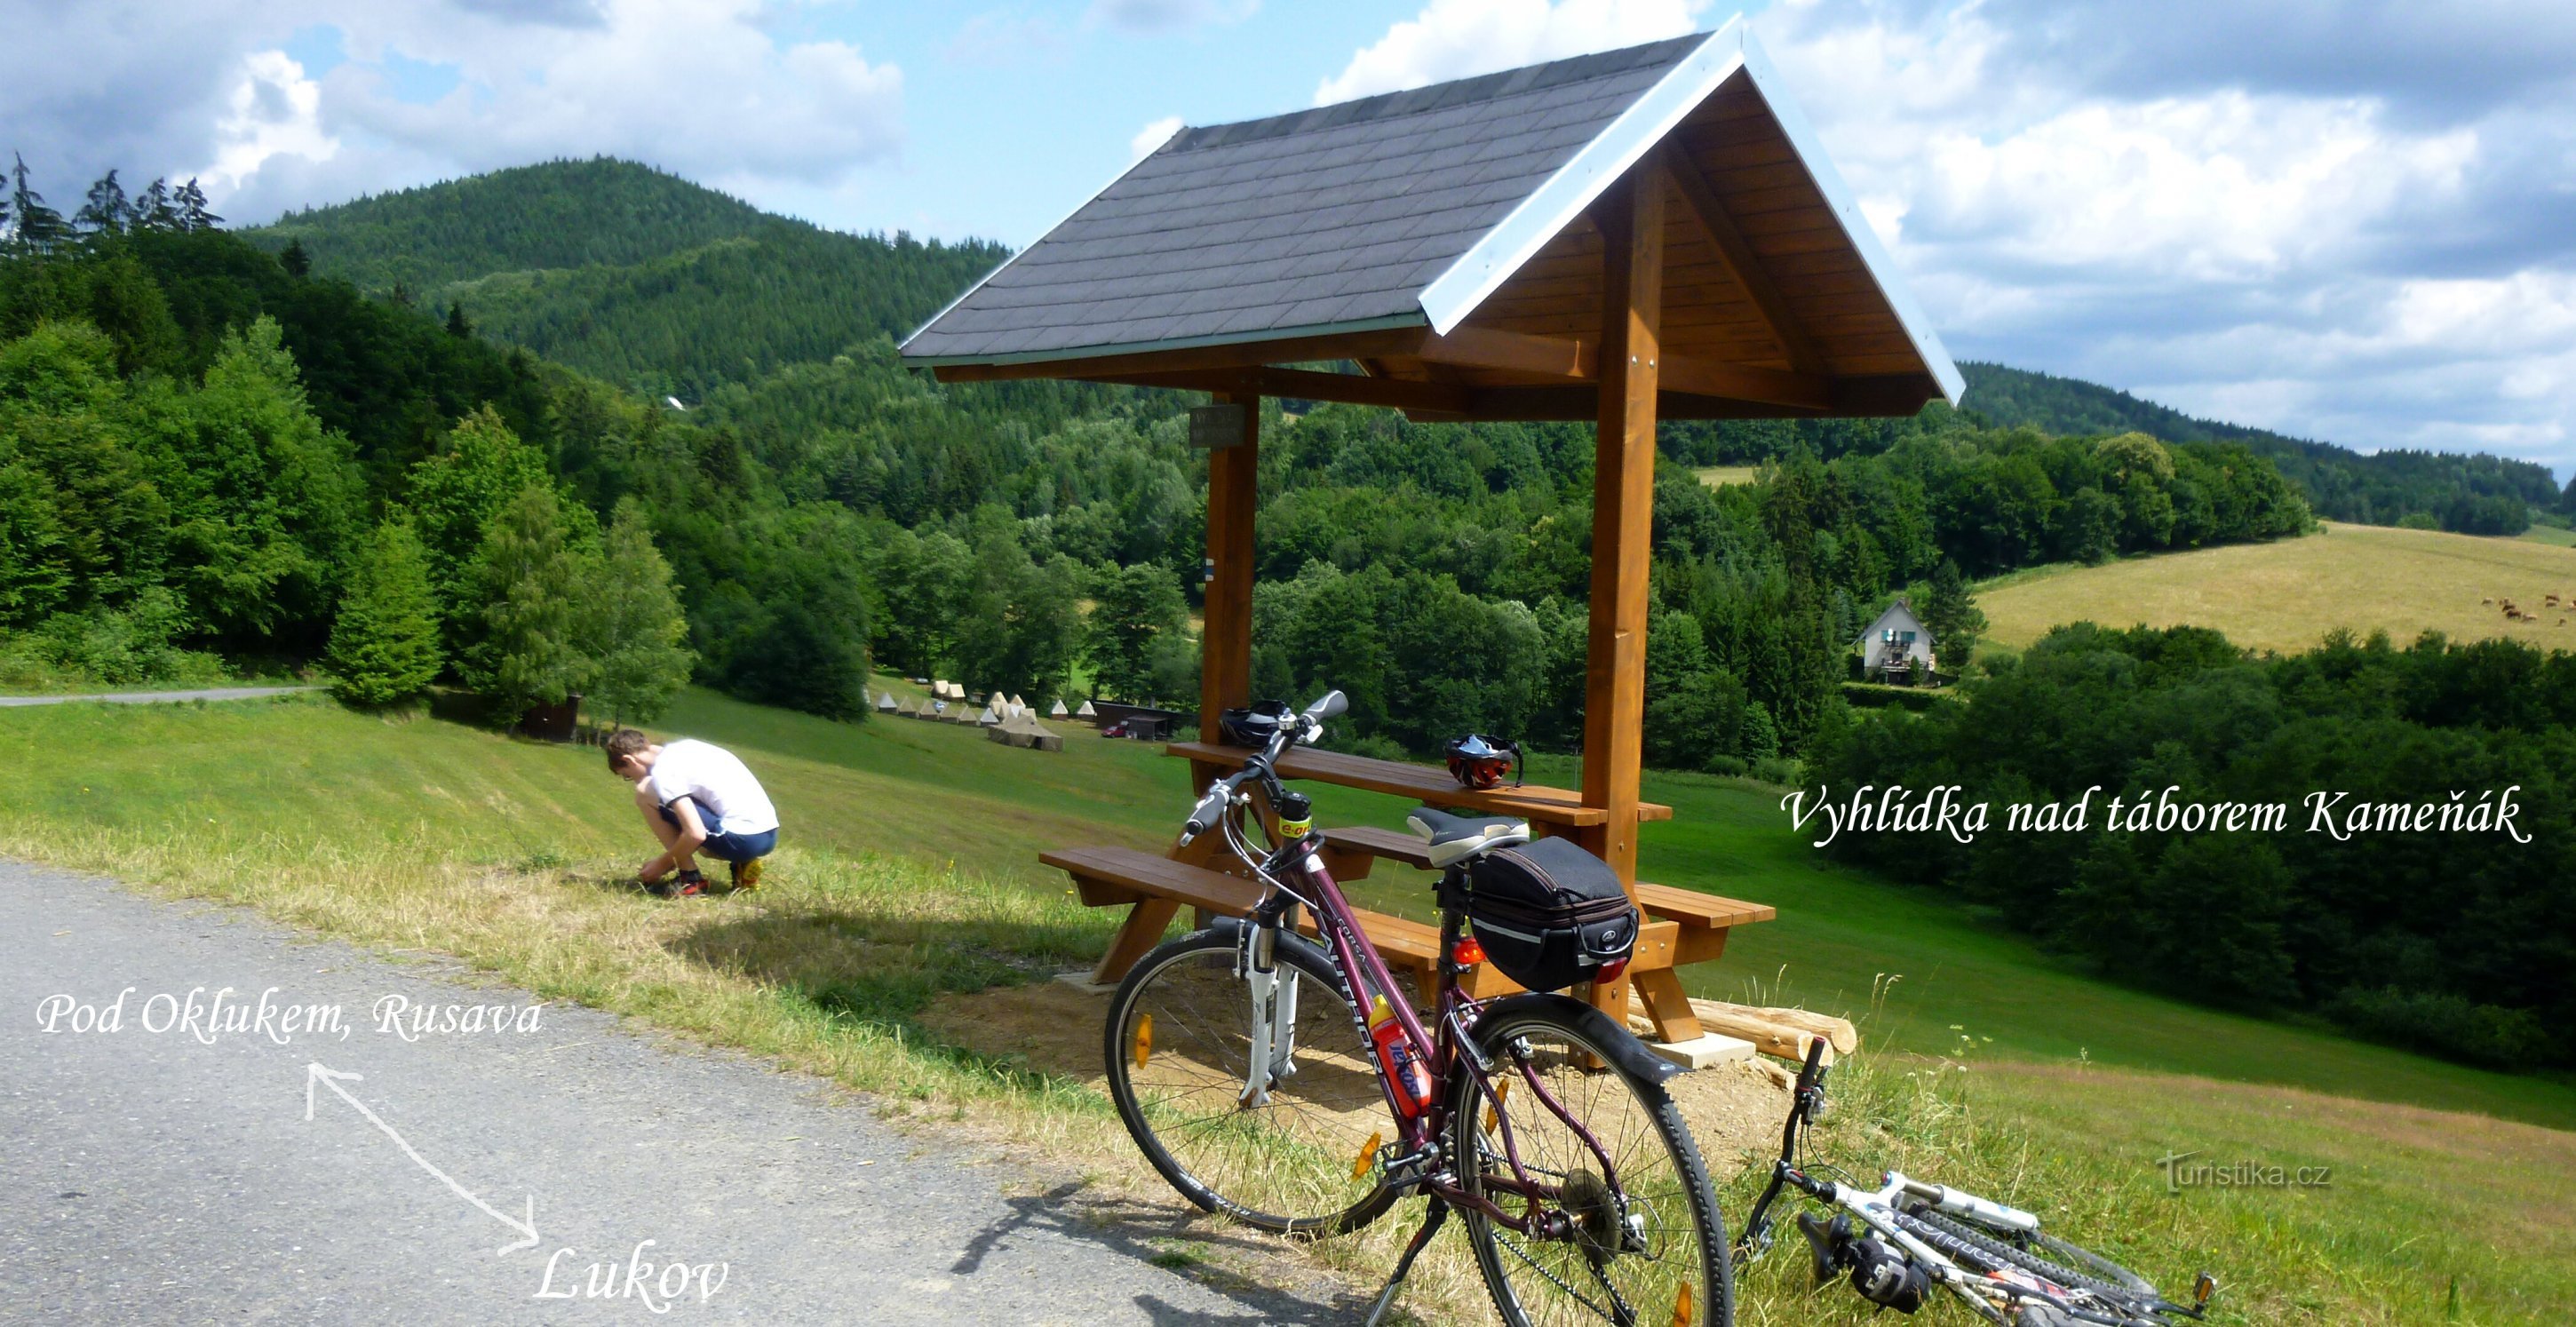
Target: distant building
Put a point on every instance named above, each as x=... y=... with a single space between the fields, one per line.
x=1889 y=649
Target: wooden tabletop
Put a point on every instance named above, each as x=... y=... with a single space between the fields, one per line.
x=1423 y=783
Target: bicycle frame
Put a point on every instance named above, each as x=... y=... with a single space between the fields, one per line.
x=1293 y=874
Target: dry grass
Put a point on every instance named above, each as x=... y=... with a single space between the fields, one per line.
x=2286 y=596
x=1722 y=476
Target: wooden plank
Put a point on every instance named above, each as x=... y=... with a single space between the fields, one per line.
x=1728 y=238
x=1236 y=355
x=1225 y=636
x=1423 y=783
x=1700 y=909
x=1667 y=1005
x=1631 y=218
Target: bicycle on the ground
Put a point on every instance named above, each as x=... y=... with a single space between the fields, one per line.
x=1904 y=1241
x=1289 y=1085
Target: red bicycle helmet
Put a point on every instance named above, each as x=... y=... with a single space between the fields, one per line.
x=1480 y=762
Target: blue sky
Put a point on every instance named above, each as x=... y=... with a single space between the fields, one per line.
x=2348 y=219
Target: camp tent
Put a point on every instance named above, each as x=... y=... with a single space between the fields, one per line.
x=1059 y=711
x=1086 y=714
x=885 y=702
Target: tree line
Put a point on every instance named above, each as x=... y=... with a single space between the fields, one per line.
x=2459 y=944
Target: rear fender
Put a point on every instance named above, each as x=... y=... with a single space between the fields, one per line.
x=1617 y=1042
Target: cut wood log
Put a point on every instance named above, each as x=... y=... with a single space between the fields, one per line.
x=1839 y=1031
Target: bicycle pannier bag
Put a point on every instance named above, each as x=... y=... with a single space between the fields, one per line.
x=1549 y=914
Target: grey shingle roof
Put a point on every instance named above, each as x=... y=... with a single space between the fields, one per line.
x=1336 y=215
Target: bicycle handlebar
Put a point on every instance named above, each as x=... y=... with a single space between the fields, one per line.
x=1209 y=813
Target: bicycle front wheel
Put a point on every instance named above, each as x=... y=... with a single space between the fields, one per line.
x=1295 y=1154
x=1638 y=1240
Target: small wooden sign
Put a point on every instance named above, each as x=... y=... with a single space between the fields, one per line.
x=1216 y=427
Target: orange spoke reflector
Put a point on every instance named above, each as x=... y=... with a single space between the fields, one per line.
x=1144 y=1038
x=1502 y=1089
x=1368 y=1155
x=1467 y=953
x=1682 y=1307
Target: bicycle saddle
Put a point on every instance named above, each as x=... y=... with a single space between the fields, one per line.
x=1454 y=838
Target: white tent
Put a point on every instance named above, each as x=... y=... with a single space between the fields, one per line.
x=990 y=717
x=1059 y=712
x=885 y=701
x=1087 y=714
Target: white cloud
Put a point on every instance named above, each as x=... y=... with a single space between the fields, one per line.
x=1457 y=38
x=275 y=110
x=1151 y=137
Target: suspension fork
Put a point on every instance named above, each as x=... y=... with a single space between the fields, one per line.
x=1273 y=1003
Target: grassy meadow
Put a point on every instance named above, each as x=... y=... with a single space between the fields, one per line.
x=907 y=873
x=2286 y=596
x=1720 y=476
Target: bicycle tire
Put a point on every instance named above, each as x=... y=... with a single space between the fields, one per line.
x=2105 y=1277
x=1286 y=1167
x=1646 y=1125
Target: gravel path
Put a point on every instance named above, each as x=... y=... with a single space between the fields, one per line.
x=158 y=697
x=149 y=1176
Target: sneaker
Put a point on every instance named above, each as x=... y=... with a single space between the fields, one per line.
x=691 y=884
x=746 y=875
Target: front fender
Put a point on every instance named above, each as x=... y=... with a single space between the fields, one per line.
x=1617 y=1042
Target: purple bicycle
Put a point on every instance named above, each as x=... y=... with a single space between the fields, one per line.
x=1289 y=1084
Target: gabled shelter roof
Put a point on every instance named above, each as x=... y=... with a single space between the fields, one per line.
x=1439 y=238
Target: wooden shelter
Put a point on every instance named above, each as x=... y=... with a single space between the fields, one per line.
x=1642 y=234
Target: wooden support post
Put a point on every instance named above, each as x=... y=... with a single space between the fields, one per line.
x=1225 y=660
x=1631 y=218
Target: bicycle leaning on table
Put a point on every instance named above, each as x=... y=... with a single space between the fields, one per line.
x=1903 y=1241
x=1290 y=1085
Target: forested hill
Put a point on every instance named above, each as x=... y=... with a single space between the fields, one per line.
x=2477 y=494
x=630 y=273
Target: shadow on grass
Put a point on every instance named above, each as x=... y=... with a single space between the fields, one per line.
x=1173 y=1238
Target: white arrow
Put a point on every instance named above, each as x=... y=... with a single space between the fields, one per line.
x=317 y=1073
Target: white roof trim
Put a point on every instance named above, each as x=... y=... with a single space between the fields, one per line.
x=1555 y=203
x=1456 y=292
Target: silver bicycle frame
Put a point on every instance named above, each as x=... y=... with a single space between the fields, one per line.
x=1877 y=1210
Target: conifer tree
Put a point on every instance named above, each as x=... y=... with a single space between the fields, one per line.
x=384 y=644
x=38 y=228
x=193 y=214
x=529 y=577
x=294 y=259
x=1952 y=614
x=456 y=324
x=634 y=624
x=105 y=209
x=153 y=209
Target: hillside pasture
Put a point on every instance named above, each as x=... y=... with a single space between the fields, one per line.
x=1721 y=476
x=2286 y=596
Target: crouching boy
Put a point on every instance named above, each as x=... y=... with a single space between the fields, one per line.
x=697 y=798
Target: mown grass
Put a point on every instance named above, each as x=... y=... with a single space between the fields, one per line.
x=413 y=834
x=1721 y=476
x=2287 y=595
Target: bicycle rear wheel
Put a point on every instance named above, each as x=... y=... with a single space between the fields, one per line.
x=1302 y=1161
x=2046 y=1256
x=1643 y=1243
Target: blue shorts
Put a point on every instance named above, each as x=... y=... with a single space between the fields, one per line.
x=722 y=846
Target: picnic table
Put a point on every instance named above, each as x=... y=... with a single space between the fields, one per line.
x=1682 y=925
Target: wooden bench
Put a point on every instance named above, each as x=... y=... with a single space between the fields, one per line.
x=1157 y=888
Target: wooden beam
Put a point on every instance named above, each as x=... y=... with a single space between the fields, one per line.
x=1701 y=203
x=1631 y=216
x=1350 y=387
x=1573 y=360
x=1517 y=352
x=1582 y=401
x=1235 y=355
x=1225 y=638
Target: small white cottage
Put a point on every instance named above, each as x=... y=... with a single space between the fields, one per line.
x=1890 y=647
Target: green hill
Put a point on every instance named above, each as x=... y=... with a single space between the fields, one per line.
x=2476 y=494
x=631 y=273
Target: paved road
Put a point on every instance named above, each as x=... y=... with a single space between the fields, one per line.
x=152 y=1178
x=158 y=697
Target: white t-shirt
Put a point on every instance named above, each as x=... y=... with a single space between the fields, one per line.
x=710 y=776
